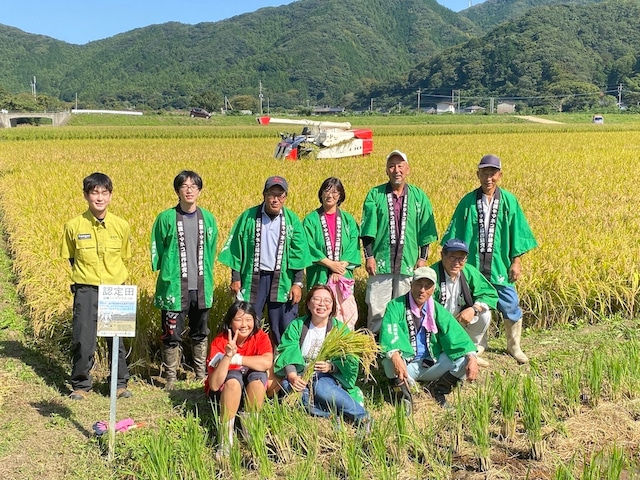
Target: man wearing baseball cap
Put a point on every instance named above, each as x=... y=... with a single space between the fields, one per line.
x=422 y=342
x=397 y=228
x=492 y=223
x=465 y=293
x=267 y=252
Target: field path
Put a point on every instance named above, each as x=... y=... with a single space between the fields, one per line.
x=530 y=118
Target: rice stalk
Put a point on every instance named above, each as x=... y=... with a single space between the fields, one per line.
x=508 y=395
x=532 y=416
x=480 y=421
x=595 y=372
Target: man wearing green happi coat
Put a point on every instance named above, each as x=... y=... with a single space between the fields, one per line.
x=397 y=227
x=492 y=223
x=267 y=252
x=183 y=250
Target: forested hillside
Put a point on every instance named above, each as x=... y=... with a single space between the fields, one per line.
x=350 y=53
x=491 y=13
x=316 y=50
x=580 y=52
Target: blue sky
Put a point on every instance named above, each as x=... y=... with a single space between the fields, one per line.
x=82 y=21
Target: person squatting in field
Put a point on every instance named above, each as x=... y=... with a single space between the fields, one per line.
x=96 y=244
x=492 y=223
x=334 y=247
x=332 y=388
x=267 y=252
x=238 y=360
x=465 y=293
x=422 y=342
x=396 y=230
x=183 y=250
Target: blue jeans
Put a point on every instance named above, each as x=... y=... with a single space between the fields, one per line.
x=458 y=368
x=329 y=397
x=508 y=302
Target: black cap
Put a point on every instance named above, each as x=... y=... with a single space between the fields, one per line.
x=276 y=181
x=490 y=161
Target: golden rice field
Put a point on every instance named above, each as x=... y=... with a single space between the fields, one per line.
x=578 y=187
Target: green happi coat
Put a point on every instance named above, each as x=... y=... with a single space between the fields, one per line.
x=165 y=257
x=450 y=338
x=349 y=246
x=420 y=227
x=238 y=251
x=513 y=236
x=481 y=290
x=290 y=353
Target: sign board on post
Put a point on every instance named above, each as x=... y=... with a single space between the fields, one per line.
x=117 y=306
x=117 y=310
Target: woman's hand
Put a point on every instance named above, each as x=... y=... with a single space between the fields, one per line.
x=296 y=382
x=230 y=349
x=323 y=367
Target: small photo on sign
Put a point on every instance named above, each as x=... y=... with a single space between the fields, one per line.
x=117 y=306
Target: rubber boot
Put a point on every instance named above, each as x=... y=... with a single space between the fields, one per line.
x=171 y=359
x=199 y=351
x=513 y=331
x=400 y=392
x=442 y=387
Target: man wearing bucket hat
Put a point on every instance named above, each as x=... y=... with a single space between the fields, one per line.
x=492 y=223
x=397 y=228
x=422 y=342
x=465 y=293
x=267 y=252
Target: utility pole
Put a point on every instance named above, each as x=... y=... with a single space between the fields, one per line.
x=33 y=87
x=371 y=105
x=260 y=96
x=419 y=91
x=619 y=95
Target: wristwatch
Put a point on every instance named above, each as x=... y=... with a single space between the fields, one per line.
x=476 y=310
x=298 y=284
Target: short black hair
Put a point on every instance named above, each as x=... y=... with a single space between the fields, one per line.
x=96 y=179
x=183 y=176
x=246 y=307
x=329 y=183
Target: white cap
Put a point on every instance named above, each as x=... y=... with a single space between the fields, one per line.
x=398 y=153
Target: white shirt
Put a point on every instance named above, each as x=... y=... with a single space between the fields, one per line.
x=313 y=341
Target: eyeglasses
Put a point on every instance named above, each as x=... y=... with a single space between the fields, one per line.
x=326 y=301
x=185 y=187
x=278 y=196
x=457 y=259
x=331 y=193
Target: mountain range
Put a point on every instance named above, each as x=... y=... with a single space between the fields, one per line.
x=337 y=52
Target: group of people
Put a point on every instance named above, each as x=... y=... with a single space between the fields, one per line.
x=431 y=322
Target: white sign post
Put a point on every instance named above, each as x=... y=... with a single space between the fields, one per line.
x=116 y=318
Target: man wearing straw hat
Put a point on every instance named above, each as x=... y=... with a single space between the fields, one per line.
x=491 y=222
x=422 y=342
x=397 y=228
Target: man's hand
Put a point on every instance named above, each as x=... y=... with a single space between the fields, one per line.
x=370 y=265
x=472 y=368
x=421 y=263
x=399 y=366
x=235 y=287
x=466 y=315
x=515 y=270
x=295 y=294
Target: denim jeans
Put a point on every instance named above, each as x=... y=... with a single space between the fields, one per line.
x=329 y=397
x=458 y=368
